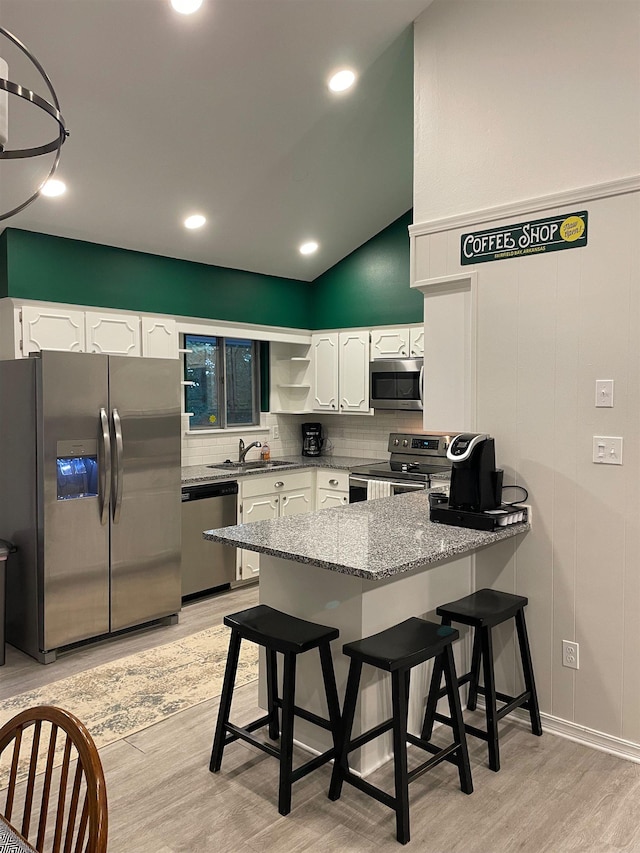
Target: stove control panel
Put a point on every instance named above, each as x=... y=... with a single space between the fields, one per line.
x=419 y=445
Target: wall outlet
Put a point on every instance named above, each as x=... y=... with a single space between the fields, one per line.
x=275 y=431
x=570 y=654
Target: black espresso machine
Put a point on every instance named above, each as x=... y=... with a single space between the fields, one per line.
x=475 y=494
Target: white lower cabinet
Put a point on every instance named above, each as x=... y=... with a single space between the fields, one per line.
x=332 y=488
x=267 y=497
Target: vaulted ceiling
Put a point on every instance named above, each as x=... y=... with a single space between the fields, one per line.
x=225 y=112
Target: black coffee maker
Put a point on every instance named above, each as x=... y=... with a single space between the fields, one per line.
x=476 y=483
x=312 y=440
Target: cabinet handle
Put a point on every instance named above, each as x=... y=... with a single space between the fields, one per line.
x=403 y=352
x=333 y=482
x=344 y=499
x=333 y=405
x=279 y=484
x=284 y=499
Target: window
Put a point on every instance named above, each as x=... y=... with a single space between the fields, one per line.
x=222 y=376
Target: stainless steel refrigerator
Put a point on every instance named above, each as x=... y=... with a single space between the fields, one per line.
x=90 y=495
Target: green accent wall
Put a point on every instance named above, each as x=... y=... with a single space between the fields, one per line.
x=370 y=287
x=58 y=269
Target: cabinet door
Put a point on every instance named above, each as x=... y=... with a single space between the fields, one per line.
x=52 y=329
x=159 y=337
x=326 y=498
x=416 y=341
x=296 y=502
x=325 y=372
x=258 y=508
x=112 y=334
x=389 y=343
x=354 y=372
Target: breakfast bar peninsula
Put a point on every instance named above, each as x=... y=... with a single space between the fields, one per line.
x=361 y=568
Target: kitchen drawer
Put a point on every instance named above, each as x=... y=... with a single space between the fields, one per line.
x=266 y=484
x=332 y=479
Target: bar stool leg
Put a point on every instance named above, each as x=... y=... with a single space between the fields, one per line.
x=432 y=699
x=286 y=740
x=490 y=698
x=400 y=706
x=341 y=764
x=457 y=722
x=527 y=668
x=331 y=692
x=272 y=693
x=472 y=696
x=225 y=702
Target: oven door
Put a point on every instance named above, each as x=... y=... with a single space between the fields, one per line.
x=359 y=487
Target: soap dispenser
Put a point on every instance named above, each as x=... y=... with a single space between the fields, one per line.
x=265 y=452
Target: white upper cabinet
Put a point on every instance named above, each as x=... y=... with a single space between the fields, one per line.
x=341 y=372
x=52 y=329
x=416 y=341
x=159 y=337
x=398 y=343
x=353 y=372
x=113 y=334
x=390 y=343
x=324 y=349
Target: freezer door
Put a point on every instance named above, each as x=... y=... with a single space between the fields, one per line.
x=145 y=497
x=74 y=544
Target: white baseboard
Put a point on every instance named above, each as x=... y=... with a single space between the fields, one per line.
x=582 y=734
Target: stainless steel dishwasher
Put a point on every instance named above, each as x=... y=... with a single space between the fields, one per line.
x=207 y=565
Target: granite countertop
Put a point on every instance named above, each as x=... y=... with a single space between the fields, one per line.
x=371 y=539
x=204 y=474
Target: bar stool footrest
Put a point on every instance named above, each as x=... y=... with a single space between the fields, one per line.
x=240 y=733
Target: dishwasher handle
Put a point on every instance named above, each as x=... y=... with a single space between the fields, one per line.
x=202 y=491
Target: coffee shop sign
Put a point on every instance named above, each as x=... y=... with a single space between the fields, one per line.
x=539 y=236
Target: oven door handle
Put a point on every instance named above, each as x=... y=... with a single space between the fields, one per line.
x=421 y=386
x=405 y=485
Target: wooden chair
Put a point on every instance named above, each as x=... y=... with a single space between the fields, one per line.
x=56 y=807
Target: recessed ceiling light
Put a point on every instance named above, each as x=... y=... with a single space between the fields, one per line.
x=53 y=188
x=195 y=221
x=309 y=248
x=342 y=80
x=186 y=7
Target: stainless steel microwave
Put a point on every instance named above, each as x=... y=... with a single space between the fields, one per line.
x=396 y=383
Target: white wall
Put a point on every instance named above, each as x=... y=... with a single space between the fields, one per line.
x=520 y=98
x=515 y=101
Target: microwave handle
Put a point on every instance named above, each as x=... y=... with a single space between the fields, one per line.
x=421 y=385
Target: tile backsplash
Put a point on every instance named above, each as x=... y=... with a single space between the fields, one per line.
x=347 y=435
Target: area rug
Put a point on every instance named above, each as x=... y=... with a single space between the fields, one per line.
x=117 y=699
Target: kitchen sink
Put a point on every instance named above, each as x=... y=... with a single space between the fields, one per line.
x=239 y=467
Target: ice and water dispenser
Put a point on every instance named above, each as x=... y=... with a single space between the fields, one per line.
x=77 y=469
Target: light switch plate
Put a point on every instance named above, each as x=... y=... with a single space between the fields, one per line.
x=604 y=393
x=607 y=450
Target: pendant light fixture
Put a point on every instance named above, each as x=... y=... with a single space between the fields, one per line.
x=7 y=87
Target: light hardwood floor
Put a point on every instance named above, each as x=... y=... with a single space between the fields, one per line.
x=551 y=796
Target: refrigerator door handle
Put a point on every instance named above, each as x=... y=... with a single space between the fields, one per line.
x=105 y=467
x=118 y=478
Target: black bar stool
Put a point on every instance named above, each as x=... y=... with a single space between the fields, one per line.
x=483 y=610
x=278 y=632
x=397 y=650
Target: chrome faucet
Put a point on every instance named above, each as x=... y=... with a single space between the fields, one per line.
x=242 y=450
